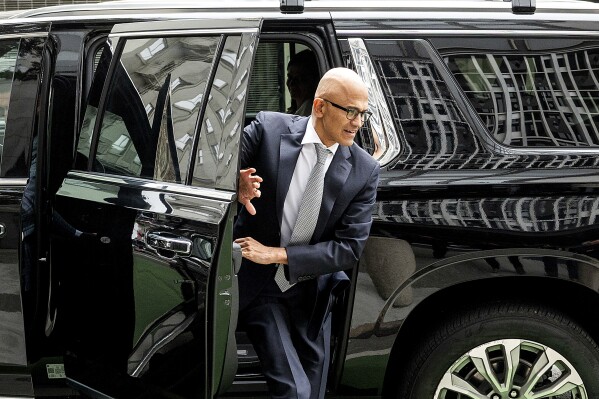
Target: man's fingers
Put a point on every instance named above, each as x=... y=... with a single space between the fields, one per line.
x=249 y=188
x=249 y=207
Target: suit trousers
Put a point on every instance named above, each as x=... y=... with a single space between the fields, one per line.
x=294 y=365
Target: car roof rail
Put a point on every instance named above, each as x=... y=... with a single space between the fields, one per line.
x=521 y=6
x=292 y=6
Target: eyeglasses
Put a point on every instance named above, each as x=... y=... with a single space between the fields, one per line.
x=351 y=113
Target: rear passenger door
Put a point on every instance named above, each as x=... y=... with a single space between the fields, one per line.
x=22 y=66
x=143 y=248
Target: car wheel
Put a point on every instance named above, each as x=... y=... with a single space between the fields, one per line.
x=503 y=351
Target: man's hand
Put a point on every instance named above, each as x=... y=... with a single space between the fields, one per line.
x=249 y=188
x=261 y=254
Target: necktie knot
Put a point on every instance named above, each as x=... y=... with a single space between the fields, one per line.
x=321 y=153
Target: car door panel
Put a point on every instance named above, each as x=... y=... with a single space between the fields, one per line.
x=153 y=319
x=152 y=271
x=21 y=70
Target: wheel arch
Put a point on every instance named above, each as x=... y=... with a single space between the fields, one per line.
x=578 y=299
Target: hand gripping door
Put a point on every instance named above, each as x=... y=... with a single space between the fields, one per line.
x=150 y=287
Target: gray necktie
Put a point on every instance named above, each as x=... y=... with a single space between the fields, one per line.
x=308 y=210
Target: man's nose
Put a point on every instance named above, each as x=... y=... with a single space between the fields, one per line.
x=357 y=121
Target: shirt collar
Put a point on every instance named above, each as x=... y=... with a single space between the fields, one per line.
x=312 y=137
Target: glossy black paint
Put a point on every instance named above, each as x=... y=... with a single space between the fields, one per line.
x=11 y=313
x=165 y=247
x=19 y=125
x=157 y=297
x=22 y=120
x=479 y=222
x=506 y=223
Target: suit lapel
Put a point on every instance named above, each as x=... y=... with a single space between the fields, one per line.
x=334 y=181
x=289 y=150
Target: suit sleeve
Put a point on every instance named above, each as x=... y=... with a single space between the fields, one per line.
x=250 y=141
x=343 y=251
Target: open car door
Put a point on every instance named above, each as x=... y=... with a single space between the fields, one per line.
x=24 y=63
x=142 y=242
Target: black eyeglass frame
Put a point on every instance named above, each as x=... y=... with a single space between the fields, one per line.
x=365 y=115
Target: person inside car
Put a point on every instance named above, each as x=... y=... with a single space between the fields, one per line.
x=302 y=79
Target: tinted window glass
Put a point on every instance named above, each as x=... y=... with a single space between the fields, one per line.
x=8 y=58
x=531 y=92
x=100 y=64
x=218 y=146
x=422 y=104
x=152 y=107
x=21 y=86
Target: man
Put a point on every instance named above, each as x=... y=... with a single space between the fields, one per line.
x=295 y=158
x=302 y=80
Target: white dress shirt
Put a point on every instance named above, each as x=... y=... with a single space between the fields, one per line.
x=303 y=168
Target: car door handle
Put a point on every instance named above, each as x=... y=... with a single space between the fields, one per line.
x=178 y=245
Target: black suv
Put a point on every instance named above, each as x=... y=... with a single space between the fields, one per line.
x=119 y=138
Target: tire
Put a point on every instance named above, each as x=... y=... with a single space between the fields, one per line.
x=458 y=348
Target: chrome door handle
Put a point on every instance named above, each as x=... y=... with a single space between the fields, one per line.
x=2 y=230
x=178 y=245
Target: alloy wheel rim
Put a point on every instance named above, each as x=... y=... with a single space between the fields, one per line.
x=511 y=369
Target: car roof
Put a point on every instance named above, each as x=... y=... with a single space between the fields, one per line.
x=151 y=9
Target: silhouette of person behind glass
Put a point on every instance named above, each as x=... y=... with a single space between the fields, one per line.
x=302 y=79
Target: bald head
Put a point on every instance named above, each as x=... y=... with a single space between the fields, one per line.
x=340 y=81
x=340 y=94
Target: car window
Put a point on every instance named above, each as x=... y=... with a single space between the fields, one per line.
x=152 y=106
x=435 y=130
x=268 y=85
x=9 y=50
x=216 y=158
x=530 y=92
x=21 y=67
x=100 y=64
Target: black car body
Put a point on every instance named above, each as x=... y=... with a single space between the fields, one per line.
x=119 y=140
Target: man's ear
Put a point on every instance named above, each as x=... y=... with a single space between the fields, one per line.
x=317 y=107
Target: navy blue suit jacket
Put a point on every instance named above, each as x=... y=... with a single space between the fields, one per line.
x=271 y=144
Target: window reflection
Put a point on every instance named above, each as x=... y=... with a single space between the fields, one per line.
x=528 y=99
x=423 y=107
x=155 y=96
x=8 y=58
x=152 y=49
x=221 y=128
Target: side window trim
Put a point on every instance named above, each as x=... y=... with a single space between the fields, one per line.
x=381 y=122
x=87 y=71
x=116 y=49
